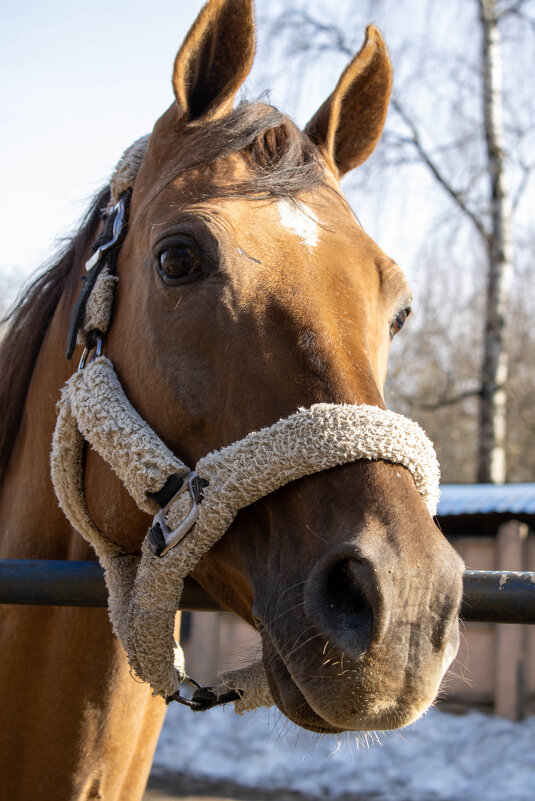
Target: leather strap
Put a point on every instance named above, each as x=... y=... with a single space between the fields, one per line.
x=108 y=243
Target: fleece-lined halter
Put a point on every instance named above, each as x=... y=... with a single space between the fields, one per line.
x=192 y=508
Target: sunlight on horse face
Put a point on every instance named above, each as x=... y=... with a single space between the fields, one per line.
x=288 y=303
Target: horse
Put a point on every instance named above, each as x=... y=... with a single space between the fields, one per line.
x=246 y=289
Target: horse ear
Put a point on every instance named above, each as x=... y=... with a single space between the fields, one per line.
x=215 y=58
x=348 y=125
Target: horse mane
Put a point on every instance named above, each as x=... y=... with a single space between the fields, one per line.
x=283 y=161
x=31 y=316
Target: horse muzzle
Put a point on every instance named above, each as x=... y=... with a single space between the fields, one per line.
x=363 y=641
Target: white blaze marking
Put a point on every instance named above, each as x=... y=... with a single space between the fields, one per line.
x=299 y=219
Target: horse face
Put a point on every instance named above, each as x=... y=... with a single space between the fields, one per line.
x=246 y=308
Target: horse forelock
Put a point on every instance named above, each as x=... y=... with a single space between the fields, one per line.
x=280 y=159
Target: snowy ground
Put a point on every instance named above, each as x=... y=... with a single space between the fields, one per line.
x=440 y=758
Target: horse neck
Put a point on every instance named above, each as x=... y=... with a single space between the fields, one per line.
x=82 y=691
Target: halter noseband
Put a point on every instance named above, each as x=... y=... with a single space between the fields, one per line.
x=192 y=508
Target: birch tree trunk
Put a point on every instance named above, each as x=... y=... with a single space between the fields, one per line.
x=491 y=461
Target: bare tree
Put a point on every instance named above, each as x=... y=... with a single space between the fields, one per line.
x=491 y=463
x=472 y=170
x=431 y=374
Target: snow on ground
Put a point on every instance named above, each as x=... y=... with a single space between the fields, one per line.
x=442 y=757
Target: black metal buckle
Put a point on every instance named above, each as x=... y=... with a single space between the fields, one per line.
x=118 y=214
x=160 y=537
x=203 y=698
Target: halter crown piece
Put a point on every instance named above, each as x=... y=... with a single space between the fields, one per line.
x=192 y=508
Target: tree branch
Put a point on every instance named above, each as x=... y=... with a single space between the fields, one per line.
x=433 y=167
x=298 y=19
x=526 y=175
x=442 y=402
x=513 y=10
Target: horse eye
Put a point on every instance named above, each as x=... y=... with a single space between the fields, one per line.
x=179 y=264
x=399 y=321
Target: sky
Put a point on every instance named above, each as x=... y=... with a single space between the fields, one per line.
x=80 y=82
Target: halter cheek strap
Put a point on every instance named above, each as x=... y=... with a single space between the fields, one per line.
x=192 y=508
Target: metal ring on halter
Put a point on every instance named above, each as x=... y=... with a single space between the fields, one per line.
x=87 y=351
x=180 y=698
x=161 y=537
x=204 y=698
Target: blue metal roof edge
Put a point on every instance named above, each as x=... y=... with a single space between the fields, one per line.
x=466 y=499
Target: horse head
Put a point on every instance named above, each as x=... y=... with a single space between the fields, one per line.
x=248 y=289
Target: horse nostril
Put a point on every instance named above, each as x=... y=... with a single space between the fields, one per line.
x=349 y=608
x=343 y=600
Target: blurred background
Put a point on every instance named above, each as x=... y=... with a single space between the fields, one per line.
x=450 y=195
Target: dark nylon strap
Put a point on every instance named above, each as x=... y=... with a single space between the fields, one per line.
x=155 y=537
x=168 y=491
x=205 y=698
x=77 y=316
x=108 y=258
x=172 y=486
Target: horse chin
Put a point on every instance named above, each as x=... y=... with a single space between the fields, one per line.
x=308 y=713
x=289 y=698
x=292 y=702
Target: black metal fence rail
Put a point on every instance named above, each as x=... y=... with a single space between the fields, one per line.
x=489 y=596
x=50 y=582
